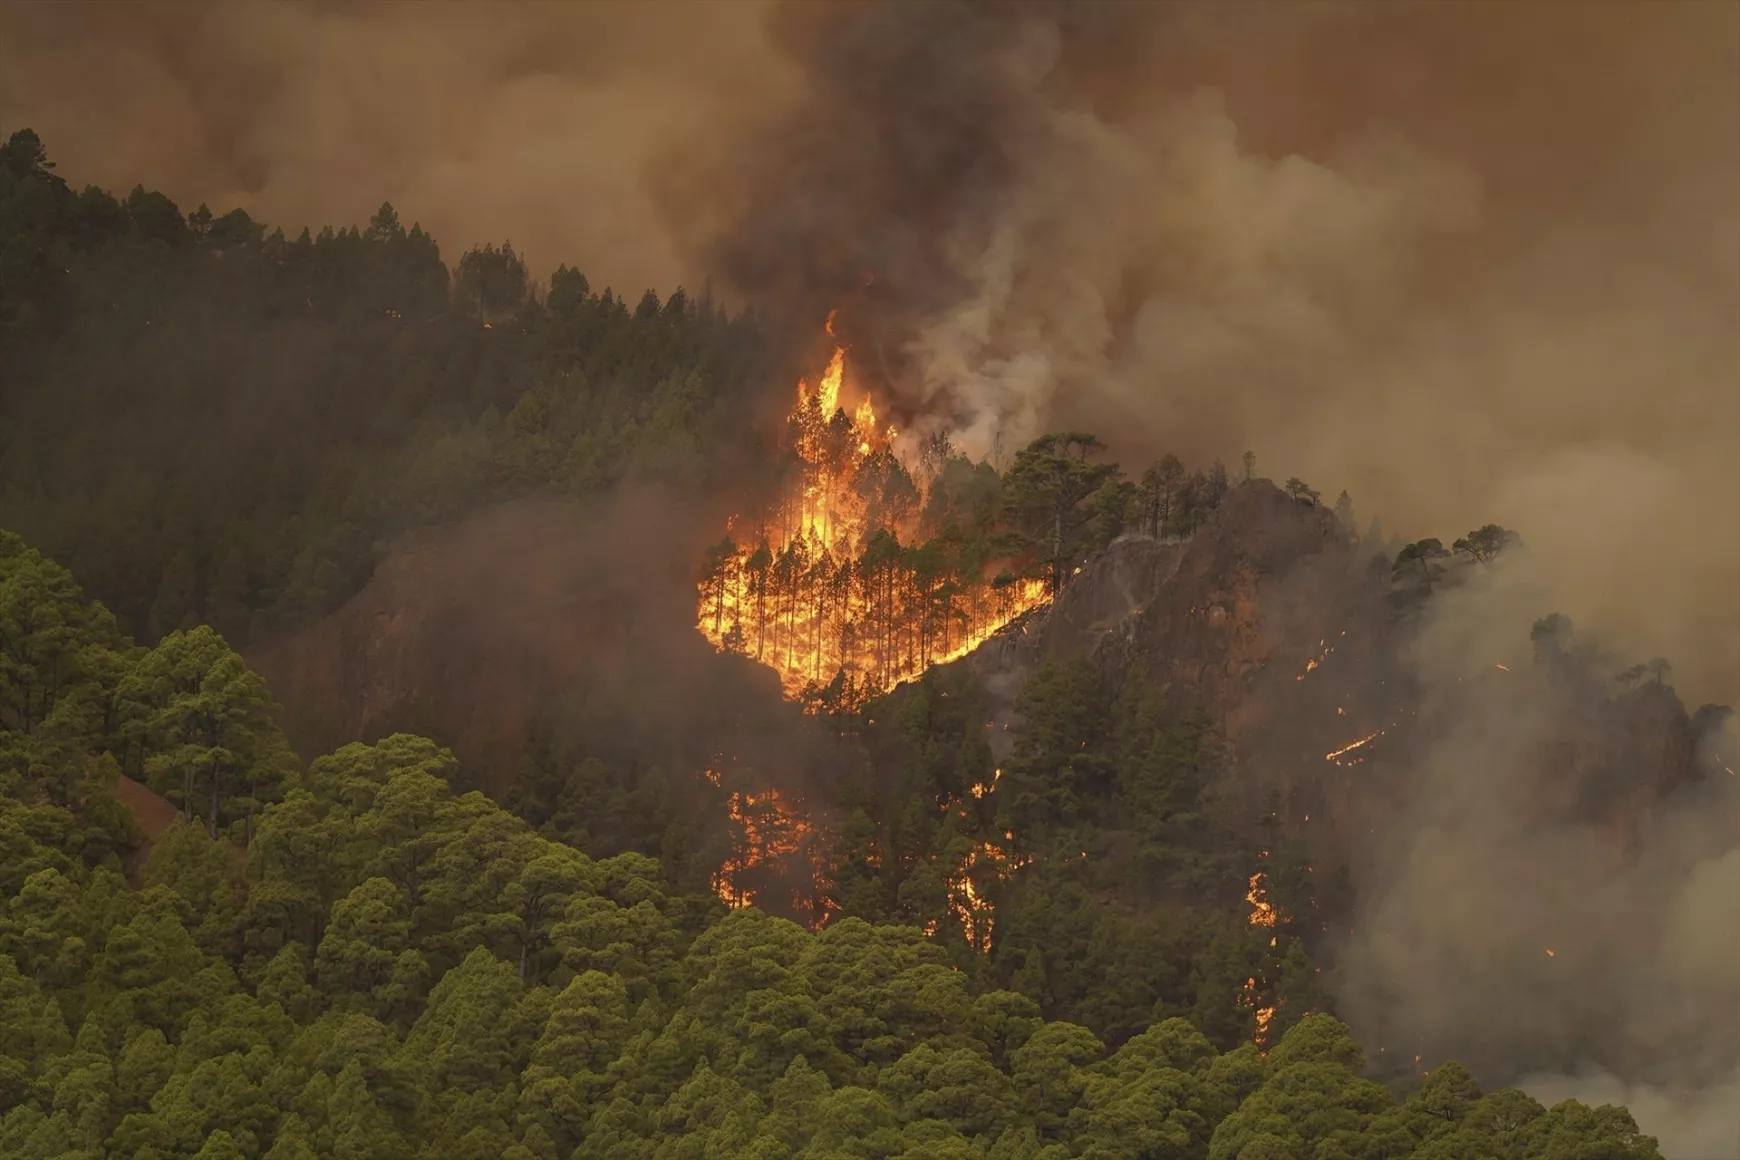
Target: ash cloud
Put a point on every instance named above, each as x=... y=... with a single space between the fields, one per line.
x=1462 y=260
x=528 y=121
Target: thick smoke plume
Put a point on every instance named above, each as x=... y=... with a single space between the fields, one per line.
x=481 y=121
x=1550 y=905
x=1469 y=261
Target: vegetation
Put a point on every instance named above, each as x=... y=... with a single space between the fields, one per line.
x=215 y=424
x=1056 y=955
x=387 y=969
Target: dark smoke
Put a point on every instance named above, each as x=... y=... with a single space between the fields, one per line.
x=1470 y=261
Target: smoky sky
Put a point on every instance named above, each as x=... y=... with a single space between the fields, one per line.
x=1471 y=262
x=484 y=122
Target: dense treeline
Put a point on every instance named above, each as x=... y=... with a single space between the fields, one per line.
x=386 y=969
x=215 y=424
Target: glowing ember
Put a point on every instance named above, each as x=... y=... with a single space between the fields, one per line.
x=825 y=586
x=766 y=831
x=1505 y=668
x=1318 y=659
x=1264 y=1015
x=1262 y=910
x=1363 y=741
x=1549 y=953
x=966 y=905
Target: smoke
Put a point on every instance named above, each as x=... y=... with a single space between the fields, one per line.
x=1472 y=262
x=584 y=611
x=1694 y=1127
x=531 y=122
x=1459 y=259
x=1555 y=904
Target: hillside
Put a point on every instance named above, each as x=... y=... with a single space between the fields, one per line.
x=351 y=959
x=413 y=770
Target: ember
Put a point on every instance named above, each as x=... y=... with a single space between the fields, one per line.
x=1363 y=741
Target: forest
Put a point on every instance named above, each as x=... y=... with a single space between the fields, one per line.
x=1083 y=949
x=348 y=959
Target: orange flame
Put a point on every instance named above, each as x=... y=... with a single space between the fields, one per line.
x=1262 y=910
x=1318 y=659
x=1363 y=741
x=767 y=830
x=802 y=594
x=965 y=904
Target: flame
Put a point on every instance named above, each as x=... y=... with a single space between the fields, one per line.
x=1549 y=953
x=1263 y=914
x=802 y=595
x=1318 y=659
x=769 y=830
x=965 y=904
x=1504 y=667
x=1331 y=756
x=1265 y=1015
x=1262 y=910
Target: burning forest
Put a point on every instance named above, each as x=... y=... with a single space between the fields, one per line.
x=858 y=575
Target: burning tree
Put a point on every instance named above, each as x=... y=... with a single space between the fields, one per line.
x=856 y=578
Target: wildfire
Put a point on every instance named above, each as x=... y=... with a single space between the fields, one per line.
x=767 y=831
x=1262 y=910
x=1363 y=741
x=1318 y=659
x=825 y=586
x=965 y=904
x=1265 y=1015
x=1263 y=914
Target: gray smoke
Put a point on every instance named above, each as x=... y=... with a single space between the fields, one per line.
x=1467 y=284
x=1581 y=952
